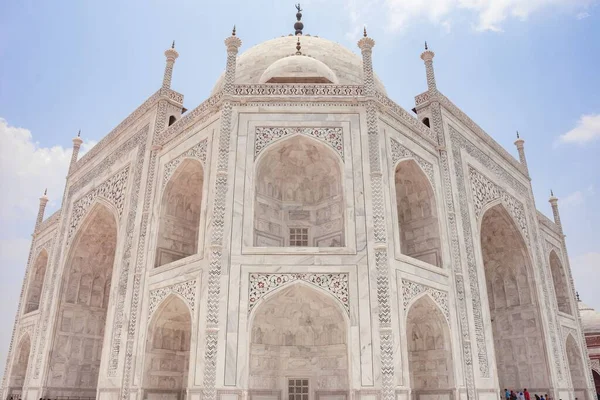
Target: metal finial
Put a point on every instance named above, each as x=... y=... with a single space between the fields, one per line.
x=577 y=296
x=551 y=193
x=426 y=48
x=298 y=26
x=517 y=134
x=173 y=45
x=365 y=31
x=298 y=47
x=45 y=191
x=233 y=31
x=79 y=133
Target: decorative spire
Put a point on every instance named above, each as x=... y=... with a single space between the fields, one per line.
x=577 y=296
x=551 y=193
x=365 y=31
x=518 y=135
x=426 y=48
x=427 y=57
x=298 y=26
x=45 y=191
x=79 y=133
x=298 y=47
x=40 y=216
x=171 y=54
x=173 y=45
x=233 y=31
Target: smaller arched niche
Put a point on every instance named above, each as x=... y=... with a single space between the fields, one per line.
x=298 y=196
x=576 y=367
x=179 y=221
x=20 y=362
x=417 y=214
x=34 y=293
x=298 y=344
x=429 y=348
x=168 y=349
x=560 y=284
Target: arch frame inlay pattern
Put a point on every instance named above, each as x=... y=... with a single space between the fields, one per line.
x=112 y=189
x=400 y=153
x=187 y=290
x=411 y=289
x=595 y=365
x=460 y=144
x=266 y=135
x=197 y=152
x=261 y=284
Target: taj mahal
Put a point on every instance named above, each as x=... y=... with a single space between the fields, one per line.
x=298 y=236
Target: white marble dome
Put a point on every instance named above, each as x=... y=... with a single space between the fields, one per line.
x=254 y=62
x=590 y=318
x=298 y=69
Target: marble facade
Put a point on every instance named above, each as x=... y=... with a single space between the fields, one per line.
x=302 y=238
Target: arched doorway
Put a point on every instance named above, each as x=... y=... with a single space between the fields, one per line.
x=299 y=346
x=299 y=198
x=168 y=351
x=516 y=324
x=19 y=367
x=34 y=292
x=179 y=223
x=576 y=366
x=77 y=348
x=596 y=376
x=561 y=287
x=429 y=349
x=417 y=214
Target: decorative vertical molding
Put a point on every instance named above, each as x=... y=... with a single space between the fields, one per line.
x=379 y=226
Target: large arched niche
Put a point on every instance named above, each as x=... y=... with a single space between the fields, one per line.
x=516 y=323
x=19 y=366
x=561 y=287
x=596 y=377
x=429 y=348
x=167 y=355
x=83 y=303
x=179 y=221
x=417 y=214
x=34 y=292
x=299 y=345
x=299 y=199
x=576 y=366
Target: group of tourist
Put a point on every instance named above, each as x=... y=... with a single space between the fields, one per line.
x=524 y=395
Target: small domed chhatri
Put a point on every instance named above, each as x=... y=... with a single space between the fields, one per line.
x=298 y=236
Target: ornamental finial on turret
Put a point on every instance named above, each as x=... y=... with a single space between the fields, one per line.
x=551 y=193
x=518 y=137
x=577 y=296
x=426 y=48
x=79 y=133
x=233 y=31
x=173 y=45
x=45 y=191
x=298 y=26
x=298 y=47
x=365 y=31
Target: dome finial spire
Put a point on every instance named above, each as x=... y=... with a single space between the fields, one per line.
x=173 y=45
x=364 y=31
x=298 y=26
x=298 y=47
x=426 y=48
x=233 y=31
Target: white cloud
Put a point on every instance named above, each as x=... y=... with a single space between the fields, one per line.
x=483 y=15
x=582 y=15
x=586 y=274
x=586 y=130
x=574 y=199
x=26 y=169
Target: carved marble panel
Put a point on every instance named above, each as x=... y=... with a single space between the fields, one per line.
x=400 y=152
x=186 y=289
x=411 y=289
x=197 y=152
x=262 y=283
x=333 y=137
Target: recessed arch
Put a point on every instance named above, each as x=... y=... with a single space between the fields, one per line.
x=416 y=207
x=561 y=288
x=521 y=359
x=83 y=304
x=596 y=376
x=20 y=364
x=298 y=195
x=179 y=220
x=36 y=282
x=576 y=364
x=429 y=347
x=299 y=333
x=167 y=354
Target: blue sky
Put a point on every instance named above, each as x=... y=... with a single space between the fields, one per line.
x=527 y=65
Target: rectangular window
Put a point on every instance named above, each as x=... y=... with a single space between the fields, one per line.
x=299 y=237
x=297 y=389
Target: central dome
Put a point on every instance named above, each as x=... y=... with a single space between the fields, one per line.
x=330 y=60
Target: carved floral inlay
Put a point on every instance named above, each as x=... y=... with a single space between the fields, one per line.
x=187 y=290
x=198 y=152
x=486 y=191
x=261 y=284
x=400 y=152
x=330 y=136
x=113 y=190
x=410 y=290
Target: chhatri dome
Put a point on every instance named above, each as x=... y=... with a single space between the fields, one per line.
x=590 y=318
x=300 y=236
